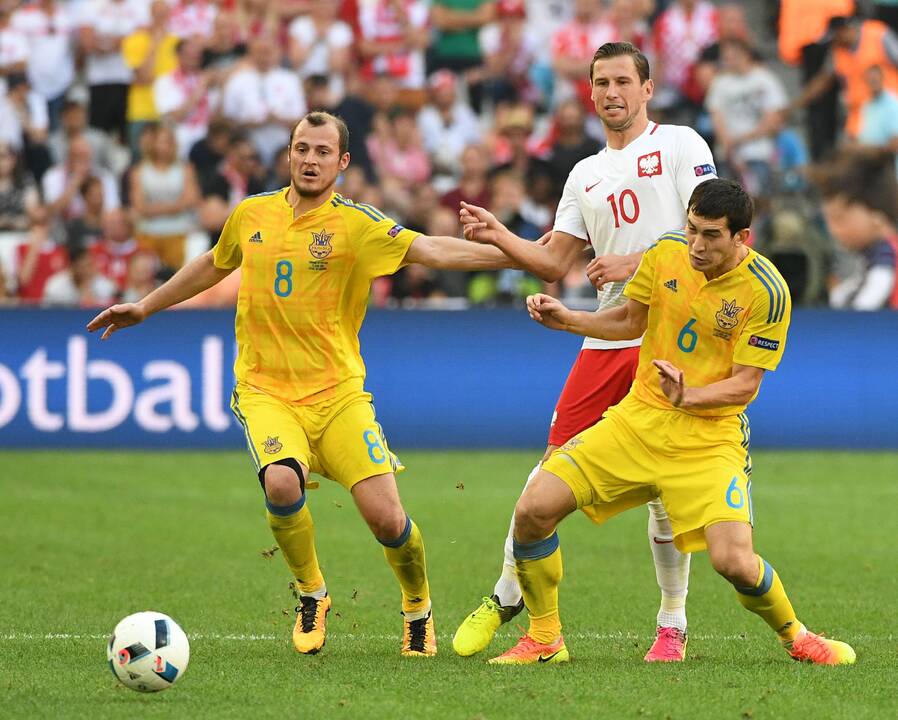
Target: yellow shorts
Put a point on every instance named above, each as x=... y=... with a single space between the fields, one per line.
x=339 y=438
x=699 y=467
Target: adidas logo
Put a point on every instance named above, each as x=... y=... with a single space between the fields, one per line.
x=257 y=237
x=670 y=284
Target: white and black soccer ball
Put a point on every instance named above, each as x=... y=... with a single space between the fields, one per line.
x=148 y=651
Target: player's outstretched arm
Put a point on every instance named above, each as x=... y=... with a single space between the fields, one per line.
x=738 y=389
x=449 y=253
x=197 y=275
x=625 y=322
x=549 y=261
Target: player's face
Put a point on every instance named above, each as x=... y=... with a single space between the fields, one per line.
x=315 y=160
x=617 y=92
x=713 y=249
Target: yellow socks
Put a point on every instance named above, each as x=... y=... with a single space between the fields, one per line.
x=406 y=556
x=768 y=599
x=539 y=573
x=294 y=531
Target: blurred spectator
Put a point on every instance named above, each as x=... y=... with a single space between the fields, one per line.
x=73 y=123
x=104 y=26
x=164 y=193
x=746 y=101
x=50 y=28
x=208 y=152
x=391 y=41
x=446 y=124
x=19 y=198
x=14 y=49
x=186 y=96
x=425 y=202
x=857 y=45
x=732 y=25
x=399 y=157
x=473 y=184
x=569 y=142
x=803 y=39
x=509 y=49
x=860 y=204
x=257 y=19
x=80 y=284
x=116 y=248
x=61 y=184
x=236 y=177
x=23 y=124
x=573 y=46
x=680 y=34
x=279 y=177
x=879 y=115
x=144 y=141
x=37 y=260
x=628 y=18
x=193 y=18
x=150 y=53
x=457 y=22
x=86 y=230
x=358 y=111
x=321 y=44
x=141 y=279
x=264 y=99
x=887 y=11
x=224 y=48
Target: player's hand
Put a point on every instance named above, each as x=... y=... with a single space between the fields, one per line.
x=117 y=317
x=479 y=224
x=673 y=383
x=610 y=268
x=548 y=311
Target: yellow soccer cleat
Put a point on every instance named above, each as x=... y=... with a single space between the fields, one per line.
x=309 y=631
x=419 y=639
x=528 y=652
x=477 y=630
x=808 y=647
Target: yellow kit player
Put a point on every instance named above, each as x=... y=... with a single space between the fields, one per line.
x=715 y=314
x=307 y=258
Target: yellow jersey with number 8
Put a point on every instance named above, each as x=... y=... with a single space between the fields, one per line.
x=304 y=290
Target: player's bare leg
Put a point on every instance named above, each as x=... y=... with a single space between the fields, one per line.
x=377 y=499
x=760 y=590
x=478 y=629
x=672 y=573
x=291 y=524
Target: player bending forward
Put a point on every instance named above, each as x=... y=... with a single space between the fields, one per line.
x=619 y=200
x=714 y=313
x=308 y=257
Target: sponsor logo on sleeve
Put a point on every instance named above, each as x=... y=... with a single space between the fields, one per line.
x=395 y=230
x=763 y=343
x=706 y=169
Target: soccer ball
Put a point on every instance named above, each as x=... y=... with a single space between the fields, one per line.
x=148 y=651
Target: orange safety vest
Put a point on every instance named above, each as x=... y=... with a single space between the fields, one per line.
x=804 y=22
x=851 y=66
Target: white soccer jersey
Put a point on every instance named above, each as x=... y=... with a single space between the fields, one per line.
x=621 y=201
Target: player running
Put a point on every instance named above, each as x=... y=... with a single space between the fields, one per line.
x=619 y=200
x=715 y=314
x=308 y=257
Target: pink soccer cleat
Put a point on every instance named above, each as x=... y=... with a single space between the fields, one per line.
x=669 y=646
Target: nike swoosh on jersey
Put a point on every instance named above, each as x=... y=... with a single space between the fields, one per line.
x=661 y=542
x=590 y=187
x=546 y=658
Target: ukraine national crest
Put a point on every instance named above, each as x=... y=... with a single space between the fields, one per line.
x=321 y=244
x=728 y=316
x=272 y=446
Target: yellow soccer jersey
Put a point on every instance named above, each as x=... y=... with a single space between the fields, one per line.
x=304 y=290
x=705 y=327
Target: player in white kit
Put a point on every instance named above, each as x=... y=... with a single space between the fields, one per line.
x=619 y=200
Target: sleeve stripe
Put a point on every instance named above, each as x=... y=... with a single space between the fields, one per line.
x=350 y=204
x=676 y=236
x=767 y=287
x=778 y=281
x=372 y=209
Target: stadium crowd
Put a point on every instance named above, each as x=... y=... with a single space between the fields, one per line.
x=129 y=129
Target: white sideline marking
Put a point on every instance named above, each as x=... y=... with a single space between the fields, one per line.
x=219 y=637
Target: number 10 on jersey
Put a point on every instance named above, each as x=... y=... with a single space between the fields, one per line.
x=625 y=207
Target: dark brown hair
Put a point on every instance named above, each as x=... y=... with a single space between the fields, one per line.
x=860 y=176
x=318 y=118
x=619 y=49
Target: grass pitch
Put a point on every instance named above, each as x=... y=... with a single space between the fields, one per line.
x=92 y=537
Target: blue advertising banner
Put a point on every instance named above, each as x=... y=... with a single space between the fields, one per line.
x=471 y=379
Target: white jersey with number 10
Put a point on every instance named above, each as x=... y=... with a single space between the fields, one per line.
x=621 y=201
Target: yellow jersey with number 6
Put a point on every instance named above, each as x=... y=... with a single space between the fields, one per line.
x=304 y=290
x=702 y=326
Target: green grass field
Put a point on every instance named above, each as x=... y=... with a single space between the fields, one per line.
x=91 y=537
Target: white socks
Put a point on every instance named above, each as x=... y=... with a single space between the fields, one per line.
x=507 y=588
x=317 y=594
x=671 y=569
